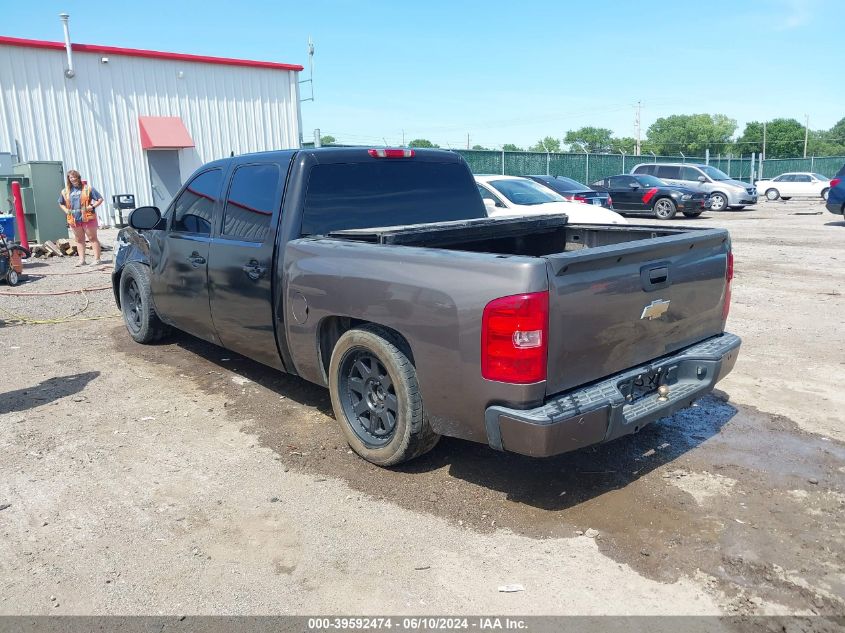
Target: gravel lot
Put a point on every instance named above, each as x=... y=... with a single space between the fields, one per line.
x=180 y=478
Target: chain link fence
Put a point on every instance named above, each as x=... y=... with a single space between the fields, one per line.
x=588 y=168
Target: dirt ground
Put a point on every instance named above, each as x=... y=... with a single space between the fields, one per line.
x=180 y=478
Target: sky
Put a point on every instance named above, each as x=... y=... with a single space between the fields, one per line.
x=500 y=72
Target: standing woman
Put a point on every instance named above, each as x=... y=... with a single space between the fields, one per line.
x=78 y=200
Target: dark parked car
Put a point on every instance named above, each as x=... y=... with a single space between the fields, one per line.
x=377 y=273
x=836 y=194
x=574 y=190
x=651 y=196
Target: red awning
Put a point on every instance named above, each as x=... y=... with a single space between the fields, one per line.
x=163 y=132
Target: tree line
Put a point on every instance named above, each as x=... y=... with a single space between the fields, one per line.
x=692 y=135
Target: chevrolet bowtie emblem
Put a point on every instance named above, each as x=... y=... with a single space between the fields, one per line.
x=655 y=309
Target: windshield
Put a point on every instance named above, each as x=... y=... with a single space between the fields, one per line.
x=649 y=181
x=820 y=177
x=714 y=173
x=526 y=192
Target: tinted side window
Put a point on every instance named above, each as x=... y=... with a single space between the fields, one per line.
x=620 y=182
x=802 y=178
x=672 y=172
x=486 y=195
x=251 y=202
x=689 y=173
x=388 y=193
x=645 y=169
x=193 y=209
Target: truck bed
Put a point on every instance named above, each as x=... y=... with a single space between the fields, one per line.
x=532 y=237
x=602 y=281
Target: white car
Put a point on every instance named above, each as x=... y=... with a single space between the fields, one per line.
x=512 y=195
x=803 y=183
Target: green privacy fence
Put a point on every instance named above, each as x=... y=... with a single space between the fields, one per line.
x=588 y=168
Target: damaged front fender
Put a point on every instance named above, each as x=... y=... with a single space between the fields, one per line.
x=130 y=246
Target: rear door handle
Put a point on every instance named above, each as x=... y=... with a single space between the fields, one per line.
x=658 y=275
x=253 y=270
x=196 y=259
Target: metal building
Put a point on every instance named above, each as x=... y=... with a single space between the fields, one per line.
x=139 y=121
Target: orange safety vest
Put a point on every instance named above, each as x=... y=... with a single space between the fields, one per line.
x=84 y=199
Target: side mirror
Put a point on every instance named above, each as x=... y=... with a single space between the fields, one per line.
x=702 y=179
x=145 y=218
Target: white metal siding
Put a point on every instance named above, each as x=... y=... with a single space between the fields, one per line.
x=90 y=122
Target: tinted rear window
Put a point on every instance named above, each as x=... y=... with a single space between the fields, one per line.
x=388 y=193
x=561 y=183
x=645 y=169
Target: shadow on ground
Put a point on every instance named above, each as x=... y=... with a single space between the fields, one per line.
x=45 y=392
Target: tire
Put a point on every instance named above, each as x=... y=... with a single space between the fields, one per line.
x=12 y=277
x=664 y=208
x=376 y=397
x=772 y=194
x=825 y=192
x=718 y=201
x=136 y=304
x=692 y=214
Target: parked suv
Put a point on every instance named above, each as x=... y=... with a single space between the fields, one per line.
x=724 y=191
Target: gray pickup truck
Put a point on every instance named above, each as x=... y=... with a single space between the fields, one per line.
x=377 y=274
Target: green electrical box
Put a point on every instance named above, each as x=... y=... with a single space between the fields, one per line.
x=44 y=219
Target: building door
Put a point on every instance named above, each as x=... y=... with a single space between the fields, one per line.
x=165 y=180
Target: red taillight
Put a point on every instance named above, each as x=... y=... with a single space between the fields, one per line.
x=729 y=275
x=579 y=199
x=514 y=338
x=835 y=182
x=609 y=201
x=391 y=153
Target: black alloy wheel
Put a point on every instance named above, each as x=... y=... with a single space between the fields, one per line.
x=368 y=397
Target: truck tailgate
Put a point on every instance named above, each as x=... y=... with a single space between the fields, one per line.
x=605 y=303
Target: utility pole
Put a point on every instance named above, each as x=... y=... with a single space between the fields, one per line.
x=806 y=132
x=467 y=140
x=637 y=125
x=403 y=138
x=763 y=155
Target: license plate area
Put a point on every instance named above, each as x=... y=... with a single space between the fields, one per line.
x=645 y=383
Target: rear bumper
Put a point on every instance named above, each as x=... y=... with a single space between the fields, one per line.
x=836 y=206
x=600 y=413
